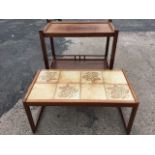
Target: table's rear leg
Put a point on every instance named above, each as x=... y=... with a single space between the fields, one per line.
x=129 y=125
x=30 y=118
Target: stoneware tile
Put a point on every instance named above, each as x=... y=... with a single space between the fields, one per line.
x=69 y=77
x=42 y=91
x=93 y=91
x=91 y=77
x=48 y=77
x=67 y=91
x=118 y=92
x=115 y=77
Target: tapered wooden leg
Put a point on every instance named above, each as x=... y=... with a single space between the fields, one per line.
x=129 y=125
x=30 y=118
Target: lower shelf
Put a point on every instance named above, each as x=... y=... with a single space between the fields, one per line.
x=75 y=64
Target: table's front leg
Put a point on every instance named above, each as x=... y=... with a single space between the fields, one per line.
x=107 y=47
x=113 y=52
x=52 y=47
x=33 y=125
x=44 y=50
x=128 y=126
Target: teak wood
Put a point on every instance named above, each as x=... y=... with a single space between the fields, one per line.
x=133 y=103
x=79 y=29
x=93 y=62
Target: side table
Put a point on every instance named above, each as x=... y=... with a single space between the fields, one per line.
x=79 y=29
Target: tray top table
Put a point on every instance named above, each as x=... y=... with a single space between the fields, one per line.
x=79 y=29
x=81 y=87
x=69 y=29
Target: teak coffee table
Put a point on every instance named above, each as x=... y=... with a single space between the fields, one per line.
x=81 y=88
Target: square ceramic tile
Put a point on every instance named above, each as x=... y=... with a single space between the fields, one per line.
x=118 y=92
x=48 y=76
x=91 y=77
x=93 y=91
x=69 y=77
x=114 y=77
x=67 y=91
x=42 y=91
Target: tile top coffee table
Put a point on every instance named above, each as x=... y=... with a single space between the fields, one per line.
x=81 y=87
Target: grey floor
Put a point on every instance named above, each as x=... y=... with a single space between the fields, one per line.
x=20 y=57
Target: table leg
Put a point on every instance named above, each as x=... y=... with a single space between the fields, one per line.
x=30 y=118
x=129 y=125
x=113 y=52
x=107 y=47
x=52 y=47
x=44 y=50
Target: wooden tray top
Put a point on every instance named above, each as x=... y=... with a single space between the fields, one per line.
x=71 y=86
x=82 y=29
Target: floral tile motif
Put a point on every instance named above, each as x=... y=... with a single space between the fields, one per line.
x=93 y=91
x=94 y=85
x=114 y=77
x=91 y=77
x=67 y=91
x=69 y=77
x=42 y=91
x=118 y=92
x=48 y=77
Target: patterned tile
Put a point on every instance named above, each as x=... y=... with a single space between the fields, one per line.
x=69 y=77
x=67 y=91
x=114 y=77
x=97 y=85
x=48 y=76
x=91 y=77
x=42 y=91
x=93 y=91
x=118 y=92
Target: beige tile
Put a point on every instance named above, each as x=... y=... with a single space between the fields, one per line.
x=118 y=92
x=42 y=91
x=93 y=91
x=69 y=77
x=67 y=91
x=91 y=77
x=48 y=77
x=114 y=77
